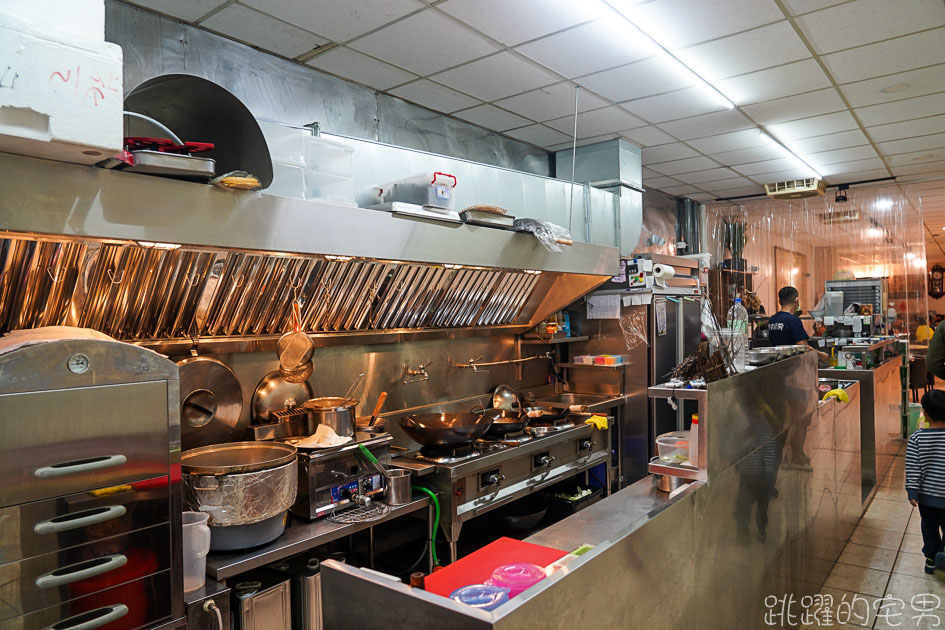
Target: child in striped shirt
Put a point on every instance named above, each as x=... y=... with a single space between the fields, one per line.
x=925 y=478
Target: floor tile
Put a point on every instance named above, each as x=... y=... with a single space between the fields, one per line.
x=895 y=523
x=892 y=494
x=854 y=609
x=873 y=537
x=858 y=579
x=912 y=543
x=870 y=557
x=908 y=563
x=906 y=587
x=912 y=620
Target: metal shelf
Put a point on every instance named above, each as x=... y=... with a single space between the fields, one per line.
x=544 y=342
x=619 y=366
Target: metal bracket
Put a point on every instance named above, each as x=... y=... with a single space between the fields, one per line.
x=418 y=375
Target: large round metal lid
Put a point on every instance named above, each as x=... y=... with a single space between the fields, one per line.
x=236 y=457
x=274 y=393
x=211 y=402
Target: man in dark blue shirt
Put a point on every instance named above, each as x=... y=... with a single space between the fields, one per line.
x=784 y=327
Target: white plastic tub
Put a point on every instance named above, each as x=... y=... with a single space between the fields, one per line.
x=329 y=157
x=673 y=447
x=286 y=143
x=288 y=179
x=320 y=186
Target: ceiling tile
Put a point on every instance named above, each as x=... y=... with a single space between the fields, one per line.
x=187 y=10
x=636 y=80
x=538 y=135
x=904 y=85
x=679 y=23
x=850 y=167
x=766 y=85
x=907 y=109
x=684 y=166
x=553 y=101
x=515 y=22
x=260 y=30
x=908 y=129
x=728 y=182
x=859 y=176
x=681 y=190
x=682 y=104
x=666 y=152
x=799 y=7
x=661 y=182
x=701 y=196
x=908 y=159
x=708 y=124
x=425 y=43
x=337 y=20
x=496 y=77
x=728 y=141
x=350 y=64
x=825 y=158
x=649 y=173
x=708 y=175
x=919 y=168
x=434 y=96
x=767 y=166
x=753 y=154
x=829 y=142
x=889 y=57
x=594 y=123
x=647 y=136
x=588 y=48
x=868 y=21
x=783 y=175
x=814 y=126
x=584 y=142
x=769 y=46
x=492 y=117
x=739 y=192
x=935 y=141
x=793 y=107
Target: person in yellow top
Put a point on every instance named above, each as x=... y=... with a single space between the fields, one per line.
x=924 y=332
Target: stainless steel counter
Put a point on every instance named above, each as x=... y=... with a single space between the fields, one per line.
x=298 y=537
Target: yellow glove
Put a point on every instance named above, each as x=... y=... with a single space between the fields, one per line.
x=599 y=422
x=839 y=394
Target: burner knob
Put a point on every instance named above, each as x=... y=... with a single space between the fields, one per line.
x=587 y=445
x=546 y=460
x=495 y=480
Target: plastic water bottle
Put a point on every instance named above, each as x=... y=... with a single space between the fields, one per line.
x=738 y=324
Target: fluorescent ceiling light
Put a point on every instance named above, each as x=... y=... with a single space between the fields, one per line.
x=790 y=153
x=622 y=9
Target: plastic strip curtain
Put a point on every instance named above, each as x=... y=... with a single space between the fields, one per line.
x=767 y=244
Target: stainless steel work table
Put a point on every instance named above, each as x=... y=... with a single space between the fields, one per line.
x=299 y=536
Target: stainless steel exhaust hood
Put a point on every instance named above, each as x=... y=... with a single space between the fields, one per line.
x=163 y=262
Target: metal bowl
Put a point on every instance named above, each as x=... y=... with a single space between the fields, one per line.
x=504 y=397
x=236 y=457
x=445 y=430
x=788 y=351
x=763 y=356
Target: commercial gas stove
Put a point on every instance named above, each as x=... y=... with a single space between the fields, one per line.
x=478 y=478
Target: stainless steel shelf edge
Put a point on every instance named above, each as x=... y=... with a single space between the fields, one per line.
x=47 y=197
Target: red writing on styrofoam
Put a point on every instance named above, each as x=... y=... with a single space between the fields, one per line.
x=90 y=86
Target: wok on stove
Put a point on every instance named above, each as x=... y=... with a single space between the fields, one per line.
x=546 y=415
x=445 y=430
x=505 y=421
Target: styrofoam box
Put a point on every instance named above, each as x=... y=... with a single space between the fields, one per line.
x=69 y=21
x=288 y=179
x=330 y=157
x=285 y=142
x=329 y=187
x=59 y=100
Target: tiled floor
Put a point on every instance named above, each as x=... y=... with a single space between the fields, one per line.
x=881 y=568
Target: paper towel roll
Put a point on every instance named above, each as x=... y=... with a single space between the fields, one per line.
x=661 y=272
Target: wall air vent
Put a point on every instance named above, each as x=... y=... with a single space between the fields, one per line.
x=796 y=188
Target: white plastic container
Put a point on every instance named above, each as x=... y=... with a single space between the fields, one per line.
x=327 y=187
x=288 y=179
x=196 y=546
x=286 y=143
x=673 y=447
x=329 y=157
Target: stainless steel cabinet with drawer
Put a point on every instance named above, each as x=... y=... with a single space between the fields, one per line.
x=89 y=487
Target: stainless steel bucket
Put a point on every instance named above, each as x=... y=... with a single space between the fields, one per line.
x=334 y=412
x=398 y=487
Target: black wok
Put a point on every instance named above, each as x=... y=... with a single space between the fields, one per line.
x=505 y=421
x=445 y=430
x=544 y=415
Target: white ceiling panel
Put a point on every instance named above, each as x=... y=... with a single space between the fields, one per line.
x=434 y=96
x=783 y=175
x=738 y=192
x=592 y=47
x=859 y=176
x=911 y=145
x=771 y=45
x=682 y=104
x=767 y=85
x=745 y=156
x=679 y=23
x=444 y=43
x=814 y=126
x=840 y=155
x=766 y=166
x=897 y=111
x=597 y=122
x=496 y=77
x=647 y=136
x=515 y=22
x=539 y=135
x=708 y=175
x=829 y=142
x=351 y=64
x=681 y=190
x=701 y=196
x=661 y=182
x=698 y=126
x=655 y=75
x=189 y=10
x=867 y=21
x=895 y=55
x=850 y=167
x=816 y=103
x=909 y=159
x=799 y=7
x=728 y=183
x=667 y=152
x=897 y=86
x=261 y=30
x=338 y=20
x=908 y=129
x=491 y=117
x=585 y=141
x=553 y=101
x=684 y=166
x=728 y=141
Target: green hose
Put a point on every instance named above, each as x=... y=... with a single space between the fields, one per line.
x=436 y=520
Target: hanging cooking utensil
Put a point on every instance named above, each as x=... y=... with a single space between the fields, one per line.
x=294 y=348
x=211 y=402
x=377 y=408
x=275 y=393
x=354 y=386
